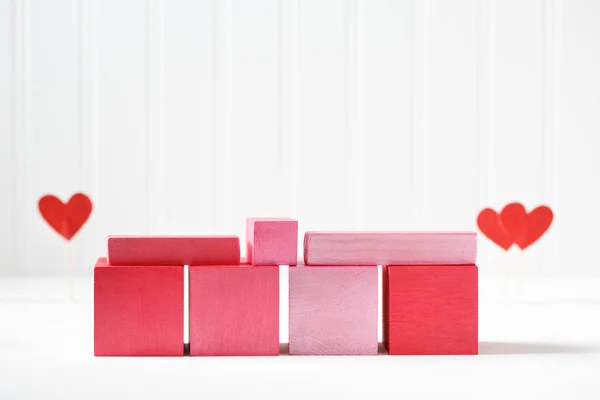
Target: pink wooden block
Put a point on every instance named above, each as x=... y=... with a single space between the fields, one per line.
x=173 y=250
x=272 y=241
x=234 y=310
x=333 y=310
x=390 y=248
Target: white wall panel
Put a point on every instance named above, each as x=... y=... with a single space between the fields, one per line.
x=90 y=240
x=517 y=173
x=386 y=75
x=52 y=161
x=258 y=163
x=577 y=147
x=187 y=116
x=325 y=190
x=452 y=137
x=123 y=118
x=24 y=201
x=183 y=139
x=7 y=137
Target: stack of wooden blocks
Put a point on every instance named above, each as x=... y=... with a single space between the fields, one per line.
x=429 y=290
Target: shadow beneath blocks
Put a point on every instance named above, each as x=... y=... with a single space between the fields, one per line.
x=496 y=348
x=560 y=302
x=45 y=301
x=284 y=349
x=381 y=350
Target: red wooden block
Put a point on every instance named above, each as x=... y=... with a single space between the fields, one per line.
x=272 y=241
x=234 y=310
x=138 y=311
x=390 y=248
x=430 y=309
x=173 y=250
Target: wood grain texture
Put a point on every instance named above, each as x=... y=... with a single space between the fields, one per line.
x=234 y=310
x=431 y=309
x=138 y=311
x=272 y=241
x=390 y=248
x=173 y=250
x=333 y=310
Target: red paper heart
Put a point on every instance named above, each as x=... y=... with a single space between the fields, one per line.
x=513 y=218
x=526 y=228
x=66 y=219
x=538 y=222
x=490 y=225
x=515 y=225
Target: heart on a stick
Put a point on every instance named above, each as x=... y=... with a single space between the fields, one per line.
x=66 y=218
x=490 y=225
x=514 y=225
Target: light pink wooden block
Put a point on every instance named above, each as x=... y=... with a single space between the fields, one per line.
x=333 y=310
x=272 y=241
x=390 y=248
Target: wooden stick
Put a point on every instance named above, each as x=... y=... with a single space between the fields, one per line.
x=69 y=270
x=506 y=275
x=520 y=273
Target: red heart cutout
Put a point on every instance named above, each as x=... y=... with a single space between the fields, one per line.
x=66 y=219
x=526 y=228
x=490 y=225
x=538 y=222
x=513 y=218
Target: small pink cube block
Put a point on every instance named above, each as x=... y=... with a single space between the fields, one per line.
x=272 y=241
x=333 y=310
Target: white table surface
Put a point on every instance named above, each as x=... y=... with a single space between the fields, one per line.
x=543 y=345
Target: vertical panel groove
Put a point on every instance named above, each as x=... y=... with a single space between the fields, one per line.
x=485 y=101
x=359 y=109
x=481 y=24
x=215 y=187
x=94 y=119
x=88 y=108
x=83 y=89
x=281 y=153
x=550 y=116
x=155 y=135
x=556 y=132
x=223 y=190
x=288 y=40
x=294 y=66
x=353 y=109
x=491 y=108
x=348 y=10
x=420 y=113
x=22 y=131
x=92 y=54
x=11 y=267
x=412 y=81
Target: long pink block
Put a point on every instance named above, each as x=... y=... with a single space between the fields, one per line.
x=173 y=250
x=272 y=241
x=234 y=310
x=333 y=310
x=390 y=248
